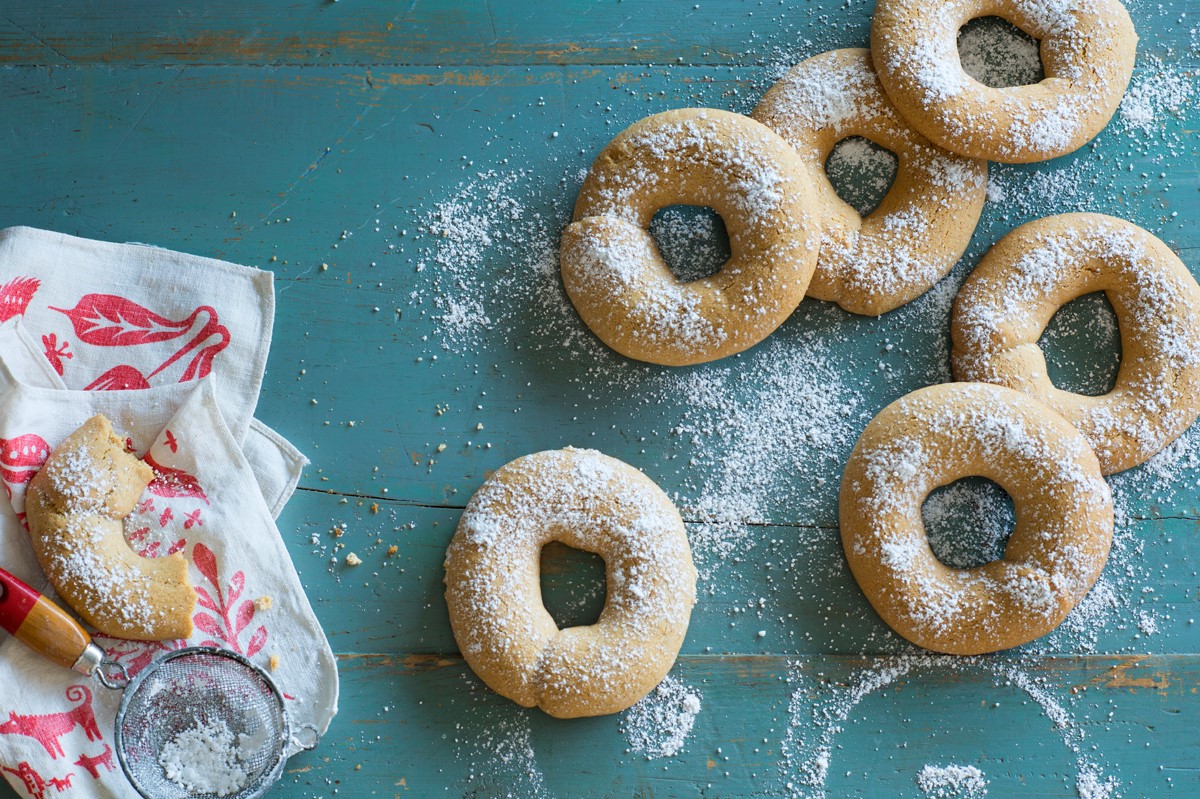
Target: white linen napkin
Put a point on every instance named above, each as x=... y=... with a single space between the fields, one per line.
x=59 y=726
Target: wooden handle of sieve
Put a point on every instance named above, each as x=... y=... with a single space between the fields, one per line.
x=43 y=626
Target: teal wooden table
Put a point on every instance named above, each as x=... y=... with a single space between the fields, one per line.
x=405 y=169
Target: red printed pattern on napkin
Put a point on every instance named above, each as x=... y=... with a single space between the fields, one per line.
x=107 y=320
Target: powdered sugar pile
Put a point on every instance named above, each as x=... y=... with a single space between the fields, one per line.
x=952 y=782
x=205 y=759
x=1155 y=93
x=659 y=725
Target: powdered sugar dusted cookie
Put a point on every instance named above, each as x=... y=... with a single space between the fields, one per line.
x=1005 y=304
x=1087 y=50
x=873 y=264
x=75 y=506
x=617 y=278
x=592 y=502
x=1064 y=517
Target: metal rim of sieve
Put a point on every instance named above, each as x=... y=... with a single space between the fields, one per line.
x=268 y=776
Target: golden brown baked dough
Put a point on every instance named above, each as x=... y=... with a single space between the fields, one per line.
x=592 y=502
x=873 y=264
x=616 y=276
x=75 y=507
x=1087 y=49
x=1005 y=304
x=943 y=433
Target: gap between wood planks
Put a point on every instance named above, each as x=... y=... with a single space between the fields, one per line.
x=1164 y=669
x=435 y=506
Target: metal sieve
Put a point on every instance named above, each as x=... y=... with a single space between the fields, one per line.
x=186 y=693
x=200 y=687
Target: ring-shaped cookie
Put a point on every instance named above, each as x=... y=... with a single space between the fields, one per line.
x=592 y=502
x=873 y=264
x=1004 y=305
x=615 y=274
x=75 y=508
x=1087 y=49
x=1058 y=547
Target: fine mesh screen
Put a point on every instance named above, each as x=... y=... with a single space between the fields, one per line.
x=177 y=707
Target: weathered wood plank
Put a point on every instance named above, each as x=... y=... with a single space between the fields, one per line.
x=761 y=720
x=442 y=32
x=791 y=583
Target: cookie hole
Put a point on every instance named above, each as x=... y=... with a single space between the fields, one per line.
x=861 y=172
x=1082 y=344
x=997 y=53
x=573 y=585
x=692 y=239
x=968 y=522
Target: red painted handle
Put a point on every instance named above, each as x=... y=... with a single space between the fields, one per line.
x=39 y=623
x=16 y=600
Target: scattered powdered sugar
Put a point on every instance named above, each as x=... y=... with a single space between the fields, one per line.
x=523 y=236
x=952 y=782
x=458 y=236
x=204 y=759
x=497 y=750
x=751 y=428
x=659 y=725
x=1156 y=91
x=821 y=707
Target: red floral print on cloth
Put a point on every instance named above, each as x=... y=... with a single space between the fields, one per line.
x=55 y=352
x=134 y=655
x=107 y=320
x=221 y=616
x=162 y=517
x=15 y=296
